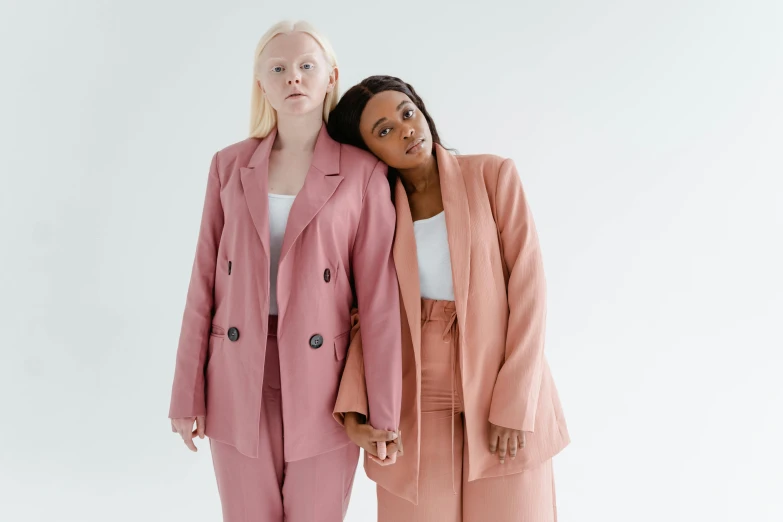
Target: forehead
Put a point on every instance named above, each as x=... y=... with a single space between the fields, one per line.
x=382 y=105
x=291 y=46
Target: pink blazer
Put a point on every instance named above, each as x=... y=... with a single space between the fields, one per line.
x=500 y=296
x=336 y=250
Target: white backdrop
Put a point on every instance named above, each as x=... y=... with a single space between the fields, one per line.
x=648 y=135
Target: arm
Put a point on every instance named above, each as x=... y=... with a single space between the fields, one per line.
x=352 y=395
x=350 y=409
x=377 y=294
x=187 y=395
x=515 y=397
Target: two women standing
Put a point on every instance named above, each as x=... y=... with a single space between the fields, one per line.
x=441 y=256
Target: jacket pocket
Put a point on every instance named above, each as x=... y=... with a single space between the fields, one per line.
x=341 y=345
x=217 y=331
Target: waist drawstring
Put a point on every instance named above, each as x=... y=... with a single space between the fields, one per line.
x=450 y=334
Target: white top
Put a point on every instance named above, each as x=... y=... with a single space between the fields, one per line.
x=279 y=208
x=432 y=251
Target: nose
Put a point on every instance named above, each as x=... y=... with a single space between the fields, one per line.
x=408 y=132
x=295 y=78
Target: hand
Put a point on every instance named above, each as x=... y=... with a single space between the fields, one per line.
x=184 y=427
x=374 y=442
x=393 y=449
x=505 y=439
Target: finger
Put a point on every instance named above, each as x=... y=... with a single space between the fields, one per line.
x=393 y=449
x=381 y=450
x=503 y=449
x=524 y=440
x=189 y=443
x=387 y=462
x=183 y=432
x=493 y=442
x=382 y=435
x=513 y=444
x=370 y=448
x=201 y=425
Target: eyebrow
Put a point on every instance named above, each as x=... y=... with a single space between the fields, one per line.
x=281 y=59
x=403 y=102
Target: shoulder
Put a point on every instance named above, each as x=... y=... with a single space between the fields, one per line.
x=480 y=161
x=485 y=167
x=481 y=164
x=238 y=153
x=363 y=168
x=355 y=160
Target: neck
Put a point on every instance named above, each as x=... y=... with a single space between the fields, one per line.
x=420 y=178
x=298 y=133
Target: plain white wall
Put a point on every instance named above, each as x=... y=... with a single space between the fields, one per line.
x=648 y=135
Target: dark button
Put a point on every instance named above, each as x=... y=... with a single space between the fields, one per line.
x=233 y=334
x=316 y=341
x=327 y=275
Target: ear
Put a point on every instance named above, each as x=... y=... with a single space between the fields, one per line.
x=333 y=79
x=258 y=82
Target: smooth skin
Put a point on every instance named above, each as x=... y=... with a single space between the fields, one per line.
x=395 y=131
x=295 y=77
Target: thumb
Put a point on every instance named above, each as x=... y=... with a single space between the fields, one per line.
x=200 y=426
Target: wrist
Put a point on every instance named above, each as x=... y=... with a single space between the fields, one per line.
x=353 y=419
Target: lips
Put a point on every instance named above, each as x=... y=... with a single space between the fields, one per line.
x=415 y=145
x=295 y=95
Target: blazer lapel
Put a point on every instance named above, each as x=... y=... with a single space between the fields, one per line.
x=255 y=182
x=407 y=265
x=455 y=204
x=321 y=182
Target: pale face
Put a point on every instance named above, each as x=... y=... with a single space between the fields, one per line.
x=294 y=74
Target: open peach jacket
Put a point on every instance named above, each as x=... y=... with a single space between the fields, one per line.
x=500 y=296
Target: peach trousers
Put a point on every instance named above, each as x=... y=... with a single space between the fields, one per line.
x=444 y=495
x=269 y=489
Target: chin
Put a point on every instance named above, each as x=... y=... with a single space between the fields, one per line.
x=294 y=110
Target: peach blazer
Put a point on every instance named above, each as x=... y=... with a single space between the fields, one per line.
x=337 y=249
x=500 y=297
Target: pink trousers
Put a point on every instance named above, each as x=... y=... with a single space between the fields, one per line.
x=269 y=489
x=444 y=494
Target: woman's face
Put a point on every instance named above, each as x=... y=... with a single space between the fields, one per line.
x=294 y=74
x=396 y=131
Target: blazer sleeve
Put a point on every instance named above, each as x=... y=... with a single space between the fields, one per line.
x=377 y=294
x=515 y=396
x=187 y=395
x=352 y=394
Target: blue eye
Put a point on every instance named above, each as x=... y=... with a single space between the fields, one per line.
x=277 y=69
x=308 y=66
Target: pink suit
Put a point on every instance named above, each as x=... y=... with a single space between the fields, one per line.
x=337 y=249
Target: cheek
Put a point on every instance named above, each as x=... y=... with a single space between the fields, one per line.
x=392 y=156
x=377 y=150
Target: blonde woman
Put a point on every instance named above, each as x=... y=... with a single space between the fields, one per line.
x=295 y=229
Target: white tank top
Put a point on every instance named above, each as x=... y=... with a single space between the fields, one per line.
x=279 y=208
x=432 y=251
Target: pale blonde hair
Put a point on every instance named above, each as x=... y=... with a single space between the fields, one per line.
x=263 y=117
